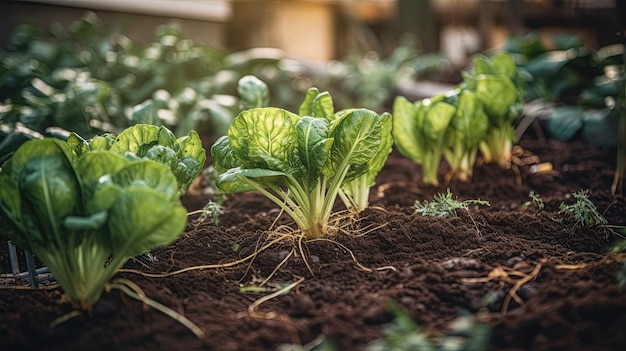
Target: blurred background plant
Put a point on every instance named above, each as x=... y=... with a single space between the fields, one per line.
x=575 y=90
x=89 y=79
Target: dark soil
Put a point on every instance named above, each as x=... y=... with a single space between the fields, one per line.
x=565 y=280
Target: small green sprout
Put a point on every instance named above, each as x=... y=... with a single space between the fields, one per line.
x=583 y=211
x=443 y=205
x=536 y=200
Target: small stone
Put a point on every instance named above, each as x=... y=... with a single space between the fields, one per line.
x=513 y=260
x=303 y=305
x=525 y=291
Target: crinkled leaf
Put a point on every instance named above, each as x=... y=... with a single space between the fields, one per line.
x=232 y=181
x=164 y=155
x=384 y=149
x=191 y=146
x=138 y=139
x=313 y=147
x=148 y=174
x=223 y=156
x=317 y=104
x=482 y=65
x=356 y=138
x=265 y=138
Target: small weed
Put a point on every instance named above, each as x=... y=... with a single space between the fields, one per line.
x=404 y=334
x=211 y=210
x=583 y=211
x=535 y=200
x=443 y=205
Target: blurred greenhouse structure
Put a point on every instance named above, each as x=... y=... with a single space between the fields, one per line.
x=331 y=29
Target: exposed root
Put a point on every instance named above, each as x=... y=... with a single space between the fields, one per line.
x=253 y=313
x=133 y=290
x=252 y=309
x=64 y=318
x=201 y=267
x=282 y=263
x=506 y=274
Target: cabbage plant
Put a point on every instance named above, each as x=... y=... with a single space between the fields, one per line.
x=85 y=215
x=499 y=87
x=185 y=156
x=478 y=114
x=420 y=132
x=299 y=162
x=468 y=129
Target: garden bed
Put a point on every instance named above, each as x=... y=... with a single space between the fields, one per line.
x=435 y=268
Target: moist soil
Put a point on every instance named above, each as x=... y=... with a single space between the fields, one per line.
x=535 y=277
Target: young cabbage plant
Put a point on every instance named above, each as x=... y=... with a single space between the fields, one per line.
x=420 y=132
x=85 y=216
x=298 y=162
x=354 y=193
x=499 y=87
x=185 y=156
x=467 y=129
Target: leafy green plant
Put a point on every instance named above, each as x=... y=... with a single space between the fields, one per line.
x=185 y=156
x=574 y=90
x=443 y=205
x=403 y=334
x=583 y=211
x=499 y=88
x=467 y=130
x=477 y=114
x=420 y=132
x=90 y=79
x=85 y=216
x=354 y=193
x=298 y=162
